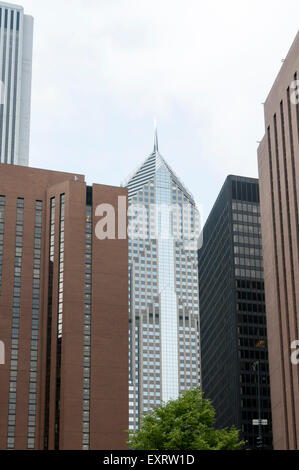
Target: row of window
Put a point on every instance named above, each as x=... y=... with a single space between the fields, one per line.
x=256 y=230
x=254 y=263
x=15 y=329
x=2 y=219
x=243 y=250
x=243 y=207
x=248 y=219
x=61 y=266
x=254 y=274
x=35 y=328
x=87 y=330
x=59 y=319
x=244 y=240
x=49 y=321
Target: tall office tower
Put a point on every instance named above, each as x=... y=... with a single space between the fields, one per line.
x=163 y=274
x=279 y=175
x=234 y=358
x=63 y=313
x=16 y=38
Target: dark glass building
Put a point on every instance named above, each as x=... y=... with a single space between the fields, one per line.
x=234 y=357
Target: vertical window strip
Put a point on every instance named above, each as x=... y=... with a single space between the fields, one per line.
x=2 y=221
x=293 y=164
x=15 y=326
x=289 y=209
x=15 y=88
x=59 y=319
x=35 y=327
x=9 y=85
x=87 y=331
x=49 y=320
x=277 y=283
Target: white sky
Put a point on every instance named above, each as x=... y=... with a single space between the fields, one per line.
x=104 y=68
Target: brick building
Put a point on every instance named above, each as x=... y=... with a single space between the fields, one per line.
x=279 y=183
x=63 y=314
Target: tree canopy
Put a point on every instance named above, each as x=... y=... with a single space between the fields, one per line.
x=187 y=423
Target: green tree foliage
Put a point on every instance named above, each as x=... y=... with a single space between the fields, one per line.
x=187 y=423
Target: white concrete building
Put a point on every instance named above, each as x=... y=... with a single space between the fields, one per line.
x=16 y=41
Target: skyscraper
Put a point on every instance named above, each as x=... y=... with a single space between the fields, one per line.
x=16 y=39
x=234 y=358
x=63 y=314
x=279 y=175
x=163 y=296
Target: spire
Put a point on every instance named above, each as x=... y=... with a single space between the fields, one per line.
x=156 y=144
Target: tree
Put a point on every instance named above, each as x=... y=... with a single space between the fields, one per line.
x=187 y=423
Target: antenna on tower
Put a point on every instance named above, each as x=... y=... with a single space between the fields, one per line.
x=156 y=144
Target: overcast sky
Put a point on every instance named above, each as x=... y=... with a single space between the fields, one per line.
x=103 y=69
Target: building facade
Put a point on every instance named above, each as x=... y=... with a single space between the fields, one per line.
x=278 y=156
x=63 y=314
x=163 y=288
x=16 y=40
x=234 y=357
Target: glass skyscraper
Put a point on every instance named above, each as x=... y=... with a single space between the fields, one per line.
x=16 y=38
x=163 y=291
x=234 y=351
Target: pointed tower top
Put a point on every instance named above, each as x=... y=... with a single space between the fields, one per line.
x=156 y=144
